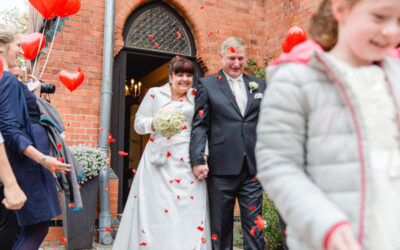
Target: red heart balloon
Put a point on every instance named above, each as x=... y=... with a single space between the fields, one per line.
x=70 y=8
x=1 y=69
x=294 y=36
x=71 y=80
x=30 y=45
x=48 y=8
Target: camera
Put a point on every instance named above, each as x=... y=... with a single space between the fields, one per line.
x=47 y=88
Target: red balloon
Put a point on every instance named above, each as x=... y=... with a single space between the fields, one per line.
x=70 y=8
x=71 y=80
x=294 y=36
x=30 y=45
x=48 y=8
x=1 y=69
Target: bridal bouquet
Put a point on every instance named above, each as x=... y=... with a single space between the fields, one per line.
x=169 y=121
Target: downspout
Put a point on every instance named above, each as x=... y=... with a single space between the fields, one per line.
x=105 y=113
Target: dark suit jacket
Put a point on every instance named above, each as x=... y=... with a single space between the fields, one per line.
x=231 y=136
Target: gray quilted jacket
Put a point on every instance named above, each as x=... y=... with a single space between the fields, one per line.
x=312 y=150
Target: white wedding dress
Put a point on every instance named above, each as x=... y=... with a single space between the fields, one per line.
x=167 y=206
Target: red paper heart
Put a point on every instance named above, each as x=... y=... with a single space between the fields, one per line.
x=294 y=36
x=214 y=237
x=108 y=229
x=63 y=240
x=48 y=8
x=253 y=231
x=201 y=113
x=71 y=80
x=30 y=44
x=71 y=7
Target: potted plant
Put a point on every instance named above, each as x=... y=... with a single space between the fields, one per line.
x=80 y=224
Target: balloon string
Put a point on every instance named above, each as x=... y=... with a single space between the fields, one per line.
x=40 y=43
x=51 y=46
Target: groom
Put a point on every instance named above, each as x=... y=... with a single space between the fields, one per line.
x=226 y=115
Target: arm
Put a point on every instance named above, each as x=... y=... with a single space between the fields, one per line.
x=14 y=197
x=280 y=154
x=200 y=126
x=144 y=116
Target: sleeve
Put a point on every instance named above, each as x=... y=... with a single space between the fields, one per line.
x=11 y=110
x=201 y=122
x=280 y=154
x=144 y=115
x=1 y=139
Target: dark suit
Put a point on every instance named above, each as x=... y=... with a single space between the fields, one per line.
x=232 y=138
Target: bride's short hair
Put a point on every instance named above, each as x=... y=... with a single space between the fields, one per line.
x=180 y=64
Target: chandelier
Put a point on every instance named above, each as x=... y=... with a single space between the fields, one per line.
x=133 y=89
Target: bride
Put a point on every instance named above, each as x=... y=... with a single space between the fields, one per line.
x=167 y=206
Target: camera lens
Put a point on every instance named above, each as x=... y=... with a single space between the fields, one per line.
x=47 y=88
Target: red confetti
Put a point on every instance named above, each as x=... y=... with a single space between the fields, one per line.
x=168 y=154
x=284 y=232
x=200 y=228
x=79 y=186
x=166 y=211
x=143 y=244
x=151 y=139
x=152 y=96
x=220 y=78
x=123 y=153
x=61 y=159
x=63 y=240
x=171 y=181
x=209 y=34
x=181 y=100
x=135 y=196
x=232 y=49
x=69 y=124
x=110 y=139
x=253 y=231
x=191 y=197
x=201 y=113
x=194 y=92
x=108 y=229
x=204 y=240
x=216 y=73
x=71 y=204
x=178 y=34
x=181 y=159
x=59 y=146
x=151 y=36
x=255 y=178
x=186 y=64
x=214 y=237
x=169 y=137
x=202 y=222
x=217 y=31
x=202 y=7
x=106 y=189
x=101 y=129
x=178 y=181
x=140 y=1
x=178 y=58
x=259 y=222
x=178 y=197
x=134 y=171
x=143 y=231
x=191 y=182
x=252 y=208
x=309 y=13
x=184 y=127
x=156 y=44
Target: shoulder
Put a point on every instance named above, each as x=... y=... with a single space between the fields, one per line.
x=210 y=78
x=9 y=82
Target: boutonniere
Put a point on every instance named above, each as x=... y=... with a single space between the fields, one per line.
x=253 y=86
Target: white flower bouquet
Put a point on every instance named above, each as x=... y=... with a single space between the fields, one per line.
x=169 y=121
x=92 y=160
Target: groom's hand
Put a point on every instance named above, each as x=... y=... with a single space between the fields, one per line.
x=200 y=171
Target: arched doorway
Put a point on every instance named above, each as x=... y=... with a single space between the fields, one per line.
x=153 y=34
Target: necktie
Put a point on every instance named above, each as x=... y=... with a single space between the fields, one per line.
x=240 y=98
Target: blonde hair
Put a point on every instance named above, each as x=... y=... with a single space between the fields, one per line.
x=323 y=27
x=7 y=34
x=234 y=42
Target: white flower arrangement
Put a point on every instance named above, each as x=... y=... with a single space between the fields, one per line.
x=92 y=160
x=253 y=86
x=169 y=121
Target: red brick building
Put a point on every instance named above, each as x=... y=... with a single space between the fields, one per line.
x=147 y=34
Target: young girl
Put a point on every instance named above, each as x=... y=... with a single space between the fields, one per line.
x=328 y=152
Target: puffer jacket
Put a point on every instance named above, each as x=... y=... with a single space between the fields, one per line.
x=312 y=150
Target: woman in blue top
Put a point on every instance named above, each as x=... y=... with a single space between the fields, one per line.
x=27 y=147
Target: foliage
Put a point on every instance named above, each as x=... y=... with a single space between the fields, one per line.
x=18 y=19
x=253 y=69
x=92 y=160
x=272 y=233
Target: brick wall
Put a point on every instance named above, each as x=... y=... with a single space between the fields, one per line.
x=263 y=24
